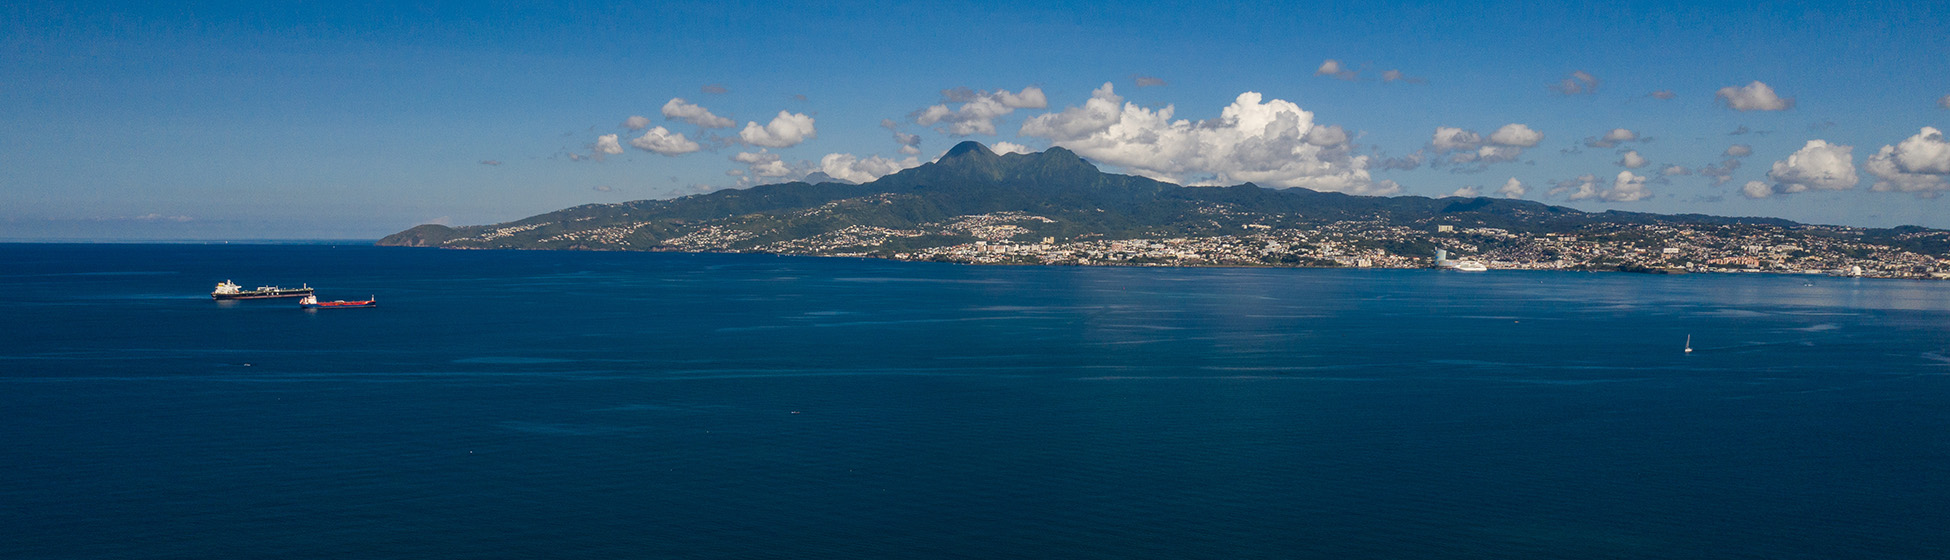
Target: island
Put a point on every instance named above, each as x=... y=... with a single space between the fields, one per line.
x=1054 y=208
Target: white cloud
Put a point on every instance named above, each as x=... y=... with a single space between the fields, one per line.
x=1612 y=138
x=1471 y=191
x=910 y=143
x=1818 y=165
x=1757 y=189
x=785 y=130
x=1466 y=146
x=1579 y=82
x=1451 y=139
x=978 y=110
x=607 y=144
x=663 y=141
x=1497 y=154
x=1010 y=148
x=1754 y=97
x=1512 y=189
x=1334 y=69
x=766 y=164
x=1518 y=135
x=1738 y=150
x=1261 y=142
x=636 y=122
x=847 y=167
x=1627 y=187
x=1672 y=170
x=1632 y=160
x=1919 y=164
x=679 y=109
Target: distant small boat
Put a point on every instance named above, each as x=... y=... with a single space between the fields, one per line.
x=311 y=302
x=229 y=290
x=1689 y=344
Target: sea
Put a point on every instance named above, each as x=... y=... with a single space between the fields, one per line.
x=532 y=404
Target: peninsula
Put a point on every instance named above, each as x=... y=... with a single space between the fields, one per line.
x=975 y=206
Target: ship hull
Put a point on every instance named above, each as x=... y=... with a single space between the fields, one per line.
x=301 y=292
x=340 y=305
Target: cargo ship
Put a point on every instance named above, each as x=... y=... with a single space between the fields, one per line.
x=311 y=302
x=227 y=290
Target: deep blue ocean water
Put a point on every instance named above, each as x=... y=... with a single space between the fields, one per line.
x=609 y=405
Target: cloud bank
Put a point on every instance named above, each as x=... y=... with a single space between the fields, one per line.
x=1269 y=142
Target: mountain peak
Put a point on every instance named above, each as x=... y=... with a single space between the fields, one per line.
x=968 y=147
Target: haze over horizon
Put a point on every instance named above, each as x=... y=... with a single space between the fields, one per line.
x=132 y=121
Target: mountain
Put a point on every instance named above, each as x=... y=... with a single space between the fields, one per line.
x=972 y=197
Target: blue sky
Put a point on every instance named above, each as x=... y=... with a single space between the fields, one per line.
x=323 y=120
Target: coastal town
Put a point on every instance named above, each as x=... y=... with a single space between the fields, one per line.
x=1664 y=249
x=1015 y=238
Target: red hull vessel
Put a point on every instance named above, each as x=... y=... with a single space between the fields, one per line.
x=311 y=302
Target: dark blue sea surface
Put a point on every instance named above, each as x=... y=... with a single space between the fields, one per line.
x=618 y=405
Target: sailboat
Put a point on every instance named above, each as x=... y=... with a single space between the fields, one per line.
x=1689 y=344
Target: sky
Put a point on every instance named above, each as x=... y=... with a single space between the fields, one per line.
x=308 y=120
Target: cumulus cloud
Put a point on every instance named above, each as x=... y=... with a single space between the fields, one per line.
x=1327 y=136
x=1720 y=173
x=769 y=165
x=1512 y=189
x=679 y=109
x=1578 y=83
x=847 y=167
x=1465 y=146
x=1452 y=139
x=1334 y=69
x=1471 y=191
x=1148 y=81
x=1757 y=189
x=1818 y=165
x=978 y=109
x=1632 y=160
x=1672 y=170
x=1738 y=150
x=636 y=122
x=785 y=130
x=1612 y=138
x=910 y=143
x=1662 y=94
x=1753 y=97
x=663 y=141
x=1627 y=187
x=1517 y=135
x=607 y=145
x=1919 y=164
x=1010 y=148
x=1256 y=140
